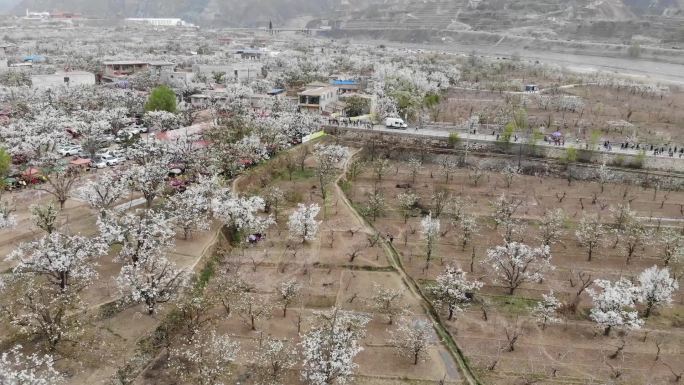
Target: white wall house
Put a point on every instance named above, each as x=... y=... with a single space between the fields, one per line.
x=59 y=79
x=232 y=71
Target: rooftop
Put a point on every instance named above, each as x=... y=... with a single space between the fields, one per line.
x=124 y=62
x=344 y=82
x=317 y=91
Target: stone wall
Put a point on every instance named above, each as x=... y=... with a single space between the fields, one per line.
x=489 y=156
x=413 y=140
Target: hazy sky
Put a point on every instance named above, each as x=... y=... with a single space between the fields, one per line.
x=6 y=5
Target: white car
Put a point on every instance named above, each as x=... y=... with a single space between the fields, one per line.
x=99 y=163
x=103 y=152
x=136 y=129
x=111 y=160
x=69 y=150
x=395 y=123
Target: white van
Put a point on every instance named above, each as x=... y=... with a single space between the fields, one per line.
x=395 y=123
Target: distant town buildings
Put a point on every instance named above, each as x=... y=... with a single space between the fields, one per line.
x=159 y=22
x=51 y=16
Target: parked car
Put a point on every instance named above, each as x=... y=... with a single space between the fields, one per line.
x=124 y=136
x=98 y=163
x=111 y=160
x=103 y=152
x=135 y=129
x=69 y=150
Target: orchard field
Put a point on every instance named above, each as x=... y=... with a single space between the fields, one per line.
x=502 y=335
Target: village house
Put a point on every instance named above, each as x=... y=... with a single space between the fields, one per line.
x=231 y=71
x=116 y=70
x=317 y=97
x=58 y=79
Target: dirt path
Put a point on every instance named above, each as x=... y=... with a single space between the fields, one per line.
x=413 y=288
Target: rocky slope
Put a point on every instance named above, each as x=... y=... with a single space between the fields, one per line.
x=477 y=14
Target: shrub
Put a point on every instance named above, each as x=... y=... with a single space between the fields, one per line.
x=570 y=155
x=454 y=139
x=638 y=161
x=161 y=98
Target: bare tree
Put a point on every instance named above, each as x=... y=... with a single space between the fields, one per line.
x=512 y=336
x=272 y=360
x=230 y=287
x=59 y=181
x=583 y=281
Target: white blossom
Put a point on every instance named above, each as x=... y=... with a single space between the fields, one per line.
x=289 y=291
x=191 y=208
x=430 y=230
x=614 y=304
x=60 y=257
x=412 y=339
x=140 y=235
x=272 y=360
x=152 y=281
x=387 y=301
x=103 y=193
x=241 y=213
x=589 y=233
x=8 y=219
x=206 y=359
x=453 y=291
x=551 y=226
x=161 y=120
x=302 y=223
x=16 y=368
x=328 y=159
x=516 y=263
x=329 y=349
x=545 y=311
x=656 y=288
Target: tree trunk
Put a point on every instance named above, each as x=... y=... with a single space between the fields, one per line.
x=649 y=308
x=590 y=252
x=63 y=278
x=606 y=331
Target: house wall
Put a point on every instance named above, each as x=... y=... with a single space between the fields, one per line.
x=59 y=79
x=244 y=70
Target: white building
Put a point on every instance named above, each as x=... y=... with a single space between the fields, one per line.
x=232 y=71
x=317 y=98
x=58 y=79
x=159 y=22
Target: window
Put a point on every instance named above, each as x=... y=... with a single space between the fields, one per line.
x=66 y=79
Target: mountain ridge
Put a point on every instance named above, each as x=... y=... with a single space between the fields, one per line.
x=259 y=12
